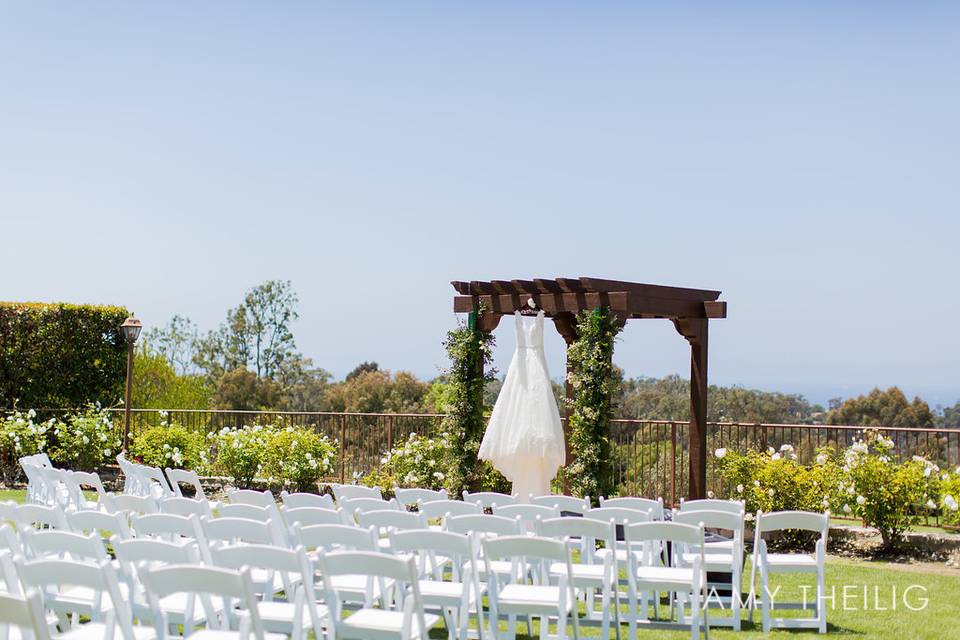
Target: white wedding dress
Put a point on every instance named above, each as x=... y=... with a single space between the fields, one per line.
x=524 y=439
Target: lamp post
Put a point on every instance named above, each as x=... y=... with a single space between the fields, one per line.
x=131 y=331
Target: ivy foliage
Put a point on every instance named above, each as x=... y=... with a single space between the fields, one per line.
x=470 y=351
x=595 y=384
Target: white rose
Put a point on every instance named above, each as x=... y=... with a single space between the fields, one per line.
x=861 y=500
x=931 y=504
x=775 y=456
x=770 y=492
x=822 y=459
x=846 y=508
x=739 y=488
x=720 y=453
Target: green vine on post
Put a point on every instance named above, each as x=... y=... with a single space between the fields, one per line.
x=471 y=352
x=594 y=385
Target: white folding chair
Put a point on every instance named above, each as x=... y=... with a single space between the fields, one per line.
x=168 y=527
x=37 y=491
x=268 y=514
x=350 y=506
x=712 y=504
x=308 y=516
x=410 y=497
x=571 y=504
x=133 y=482
x=302 y=500
x=53 y=543
x=527 y=590
x=770 y=563
x=76 y=481
x=295 y=572
x=404 y=619
x=482 y=526
x=456 y=598
x=724 y=560
x=681 y=574
x=249 y=496
x=30 y=516
x=59 y=580
x=131 y=503
x=448 y=508
x=234 y=587
x=486 y=499
x=137 y=555
x=57 y=491
x=528 y=513
x=115 y=524
x=180 y=506
x=655 y=507
x=178 y=477
x=25 y=613
x=591 y=575
x=351 y=491
x=321 y=538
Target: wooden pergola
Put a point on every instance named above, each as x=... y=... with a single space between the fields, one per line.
x=561 y=299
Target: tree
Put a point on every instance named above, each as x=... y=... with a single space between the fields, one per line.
x=243 y=390
x=256 y=334
x=304 y=388
x=157 y=385
x=949 y=417
x=379 y=392
x=888 y=408
x=176 y=342
x=361 y=368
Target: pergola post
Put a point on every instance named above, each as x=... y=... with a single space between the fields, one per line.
x=695 y=330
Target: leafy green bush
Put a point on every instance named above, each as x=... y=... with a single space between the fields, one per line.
x=294 y=457
x=242 y=452
x=951 y=497
x=61 y=355
x=171 y=446
x=85 y=440
x=882 y=492
x=299 y=457
x=21 y=436
x=418 y=462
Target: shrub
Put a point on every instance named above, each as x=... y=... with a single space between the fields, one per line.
x=86 y=440
x=61 y=355
x=241 y=452
x=950 y=490
x=21 y=436
x=299 y=457
x=885 y=494
x=418 y=462
x=771 y=481
x=171 y=446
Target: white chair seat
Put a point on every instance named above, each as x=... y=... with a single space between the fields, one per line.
x=529 y=598
x=589 y=575
x=713 y=561
x=443 y=593
x=787 y=562
x=373 y=624
x=621 y=554
x=98 y=631
x=278 y=616
x=218 y=634
x=356 y=585
x=664 y=577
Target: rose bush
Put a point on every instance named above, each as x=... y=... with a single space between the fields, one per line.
x=172 y=446
x=85 y=441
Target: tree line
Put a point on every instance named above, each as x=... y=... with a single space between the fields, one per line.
x=251 y=362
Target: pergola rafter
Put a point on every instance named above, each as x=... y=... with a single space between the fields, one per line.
x=561 y=299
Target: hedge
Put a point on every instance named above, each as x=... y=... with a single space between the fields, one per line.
x=61 y=355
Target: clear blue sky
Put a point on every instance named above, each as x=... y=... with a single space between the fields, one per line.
x=801 y=157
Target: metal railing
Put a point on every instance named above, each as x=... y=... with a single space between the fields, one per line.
x=648 y=457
